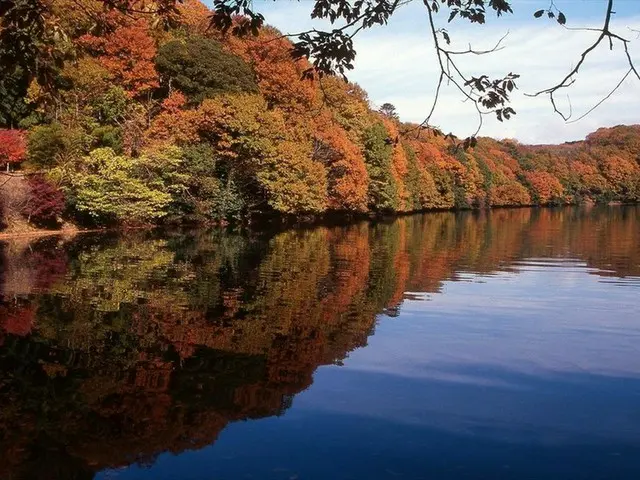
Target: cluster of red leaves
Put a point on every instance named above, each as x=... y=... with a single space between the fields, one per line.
x=17 y=320
x=13 y=147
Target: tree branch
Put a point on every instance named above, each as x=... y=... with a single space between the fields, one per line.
x=569 y=79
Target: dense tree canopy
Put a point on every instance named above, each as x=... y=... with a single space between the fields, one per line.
x=200 y=68
x=34 y=41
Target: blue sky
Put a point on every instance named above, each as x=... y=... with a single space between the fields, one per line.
x=396 y=64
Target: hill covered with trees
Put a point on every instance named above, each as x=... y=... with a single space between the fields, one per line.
x=127 y=121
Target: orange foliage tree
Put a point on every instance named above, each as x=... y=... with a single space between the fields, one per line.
x=128 y=54
x=347 y=173
x=279 y=77
x=545 y=187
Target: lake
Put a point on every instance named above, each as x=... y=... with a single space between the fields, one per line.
x=474 y=345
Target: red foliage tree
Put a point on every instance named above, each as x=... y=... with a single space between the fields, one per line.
x=46 y=202
x=13 y=147
x=280 y=78
x=17 y=320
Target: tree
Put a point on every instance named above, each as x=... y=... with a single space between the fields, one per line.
x=347 y=176
x=54 y=144
x=108 y=188
x=200 y=68
x=281 y=81
x=31 y=47
x=510 y=194
x=13 y=90
x=251 y=141
x=293 y=182
x=213 y=193
x=12 y=147
x=218 y=126
x=545 y=188
x=389 y=110
x=128 y=54
x=378 y=152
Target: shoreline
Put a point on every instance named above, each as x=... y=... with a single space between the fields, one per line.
x=66 y=230
x=37 y=233
x=281 y=221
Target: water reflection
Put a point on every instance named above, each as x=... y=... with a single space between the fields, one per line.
x=115 y=349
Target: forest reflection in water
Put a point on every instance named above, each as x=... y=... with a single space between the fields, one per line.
x=117 y=348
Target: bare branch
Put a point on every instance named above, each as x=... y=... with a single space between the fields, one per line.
x=488 y=97
x=498 y=46
x=626 y=75
x=604 y=34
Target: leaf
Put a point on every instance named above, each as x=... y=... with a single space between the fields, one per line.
x=538 y=14
x=550 y=14
x=562 y=19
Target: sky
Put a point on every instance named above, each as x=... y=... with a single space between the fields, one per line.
x=396 y=63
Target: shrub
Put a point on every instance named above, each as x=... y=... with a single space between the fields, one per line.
x=46 y=202
x=108 y=190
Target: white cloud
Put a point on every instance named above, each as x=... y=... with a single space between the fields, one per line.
x=397 y=64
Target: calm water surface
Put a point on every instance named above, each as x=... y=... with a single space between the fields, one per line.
x=502 y=345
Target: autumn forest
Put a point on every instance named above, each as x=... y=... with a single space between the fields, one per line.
x=130 y=122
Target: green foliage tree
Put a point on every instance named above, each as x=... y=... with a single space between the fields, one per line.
x=107 y=136
x=200 y=68
x=378 y=150
x=389 y=110
x=53 y=144
x=213 y=194
x=13 y=90
x=112 y=105
x=109 y=188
